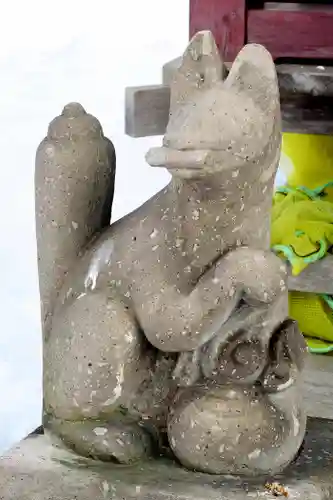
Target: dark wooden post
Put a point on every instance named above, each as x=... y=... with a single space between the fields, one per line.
x=225 y=19
x=292 y=30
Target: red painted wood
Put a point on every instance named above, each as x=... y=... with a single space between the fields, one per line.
x=292 y=32
x=225 y=19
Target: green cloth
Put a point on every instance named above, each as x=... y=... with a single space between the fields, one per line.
x=302 y=233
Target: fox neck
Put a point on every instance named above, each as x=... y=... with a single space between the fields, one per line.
x=210 y=212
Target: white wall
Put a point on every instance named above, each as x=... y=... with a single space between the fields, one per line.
x=50 y=55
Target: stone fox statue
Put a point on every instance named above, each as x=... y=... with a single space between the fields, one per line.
x=171 y=325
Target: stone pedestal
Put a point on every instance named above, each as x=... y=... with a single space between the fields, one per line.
x=39 y=469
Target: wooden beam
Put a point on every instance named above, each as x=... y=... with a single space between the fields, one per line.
x=306 y=101
x=146 y=110
x=294 y=79
x=225 y=19
x=317 y=278
x=303 y=79
x=169 y=70
x=318 y=386
x=147 y=113
x=292 y=31
x=304 y=114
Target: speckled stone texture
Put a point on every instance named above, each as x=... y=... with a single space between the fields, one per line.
x=169 y=328
x=38 y=470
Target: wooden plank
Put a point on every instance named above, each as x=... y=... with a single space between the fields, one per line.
x=169 y=70
x=147 y=113
x=256 y=4
x=293 y=32
x=308 y=116
x=301 y=79
x=225 y=19
x=306 y=101
x=318 y=386
x=294 y=79
x=146 y=110
x=306 y=98
x=317 y=277
x=308 y=5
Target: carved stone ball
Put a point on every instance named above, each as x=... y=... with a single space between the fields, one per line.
x=226 y=430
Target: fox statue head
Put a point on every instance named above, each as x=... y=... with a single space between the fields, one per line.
x=220 y=123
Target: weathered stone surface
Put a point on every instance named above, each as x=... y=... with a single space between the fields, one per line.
x=37 y=469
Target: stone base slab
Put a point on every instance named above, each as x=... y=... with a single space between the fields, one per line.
x=39 y=469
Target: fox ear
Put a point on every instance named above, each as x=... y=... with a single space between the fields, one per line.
x=253 y=73
x=201 y=68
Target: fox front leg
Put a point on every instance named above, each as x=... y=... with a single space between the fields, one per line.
x=260 y=277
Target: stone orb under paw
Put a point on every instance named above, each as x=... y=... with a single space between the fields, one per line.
x=226 y=430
